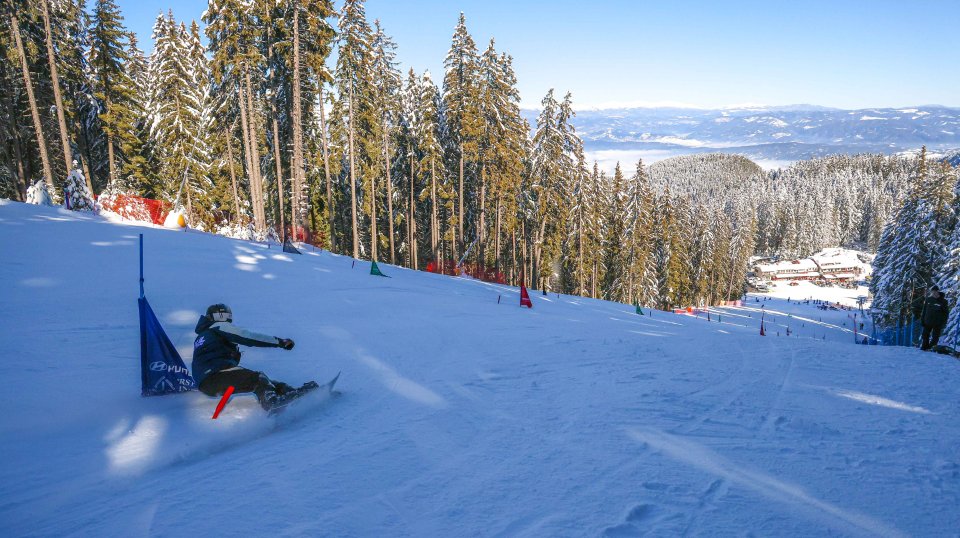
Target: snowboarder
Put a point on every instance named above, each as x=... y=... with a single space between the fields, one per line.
x=216 y=359
x=936 y=310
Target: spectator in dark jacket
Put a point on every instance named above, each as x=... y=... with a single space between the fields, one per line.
x=216 y=359
x=936 y=310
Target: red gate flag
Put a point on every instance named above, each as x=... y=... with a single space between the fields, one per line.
x=525 y=297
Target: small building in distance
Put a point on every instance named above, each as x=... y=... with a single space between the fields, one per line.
x=805 y=269
x=829 y=266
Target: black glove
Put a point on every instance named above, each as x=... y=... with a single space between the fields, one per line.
x=286 y=343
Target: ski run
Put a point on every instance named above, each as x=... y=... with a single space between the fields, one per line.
x=461 y=413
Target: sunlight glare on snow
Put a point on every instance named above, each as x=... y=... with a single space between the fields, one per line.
x=877 y=400
x=182 y=317
x=395 y=382
x=701 y=457
x=136 y=449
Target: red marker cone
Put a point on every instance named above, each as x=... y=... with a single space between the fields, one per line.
x=525 y=297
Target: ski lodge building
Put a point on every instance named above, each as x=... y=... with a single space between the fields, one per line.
x=831 y=266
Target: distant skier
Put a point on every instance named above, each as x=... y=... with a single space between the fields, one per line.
x=216 y=359
x=936 y=310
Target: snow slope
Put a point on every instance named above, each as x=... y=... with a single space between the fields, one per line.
x=459 y=416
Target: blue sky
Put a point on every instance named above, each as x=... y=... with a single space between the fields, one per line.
x=846 y=54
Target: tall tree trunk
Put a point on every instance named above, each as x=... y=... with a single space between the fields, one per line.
x=112 y=168
x=481 y=254
x=255 y=153
x=55 y=79
x=299 y=176
x=413 y=221
x=353 y=181
x=460 y=200
x=326 y=171
x=278 y=166
x=37 y=126
x=386 y=159
x=496 y=263
x=233 y=175
x=513 y=253
x=15 y=164
x=374 y=238
x=434 y=219
x=247 y=154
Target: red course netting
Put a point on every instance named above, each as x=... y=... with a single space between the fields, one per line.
x=137 y=208
x=473 y=269
x=303 y=235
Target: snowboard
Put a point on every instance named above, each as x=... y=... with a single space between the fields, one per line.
x=326 y=388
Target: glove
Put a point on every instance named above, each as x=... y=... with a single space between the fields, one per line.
x=286 y=343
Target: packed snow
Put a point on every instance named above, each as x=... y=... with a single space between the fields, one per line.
x=461 y=413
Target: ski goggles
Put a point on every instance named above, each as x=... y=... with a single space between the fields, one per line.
x=222 y=316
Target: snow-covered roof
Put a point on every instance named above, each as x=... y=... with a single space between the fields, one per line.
x=792 y=266
x=834 y=258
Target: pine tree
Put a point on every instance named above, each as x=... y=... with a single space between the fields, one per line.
x=462 y=113
x=113 y=87
x=613 y=259
x=21 y=54
x=354 y=118
x=386 y=102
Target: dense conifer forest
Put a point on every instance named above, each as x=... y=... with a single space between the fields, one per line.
x=264 y=132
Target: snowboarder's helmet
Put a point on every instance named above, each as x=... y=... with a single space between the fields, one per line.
x=220 y=312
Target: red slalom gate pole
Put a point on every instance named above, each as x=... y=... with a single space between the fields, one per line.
x=223 y=401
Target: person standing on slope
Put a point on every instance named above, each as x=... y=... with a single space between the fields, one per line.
x=216 y=359
x=936 y=310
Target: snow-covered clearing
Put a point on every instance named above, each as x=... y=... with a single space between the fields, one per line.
x=459 y=416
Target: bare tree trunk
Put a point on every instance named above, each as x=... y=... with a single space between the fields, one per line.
x=189 y=203
x=255 y=154
x=415 y=263
x=55 y=78
x=386 y=159
x=374 y=238
x=247 y=154
x=15 y=164
x=37 y=126
x=353 y=182
x=299 y=176
x=326 y=171
x=481 y=254
x=233 y=175
x=434 y=219
x=513 y=253
x=279 y=169
x=460 y=199
x=496 y=262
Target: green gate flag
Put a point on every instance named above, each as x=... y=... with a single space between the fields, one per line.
x=639 y=311
x=374 y=270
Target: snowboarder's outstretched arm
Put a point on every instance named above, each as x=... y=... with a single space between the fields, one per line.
x=242 y=336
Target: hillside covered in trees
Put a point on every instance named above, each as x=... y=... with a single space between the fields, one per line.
x=264 y=131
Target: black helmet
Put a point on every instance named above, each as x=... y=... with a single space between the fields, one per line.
x=219 y=312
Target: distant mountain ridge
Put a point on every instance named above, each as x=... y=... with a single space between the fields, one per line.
x=782 y=133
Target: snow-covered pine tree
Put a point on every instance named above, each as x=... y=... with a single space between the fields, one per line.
x=427 y=132
x=234 y=57
x=76 y=195
x=353 y=118
x=614 y=283
x=386 y=101
x=907 y=256
x=462 y=113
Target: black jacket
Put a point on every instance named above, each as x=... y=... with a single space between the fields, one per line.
x=935 y=312
x=217 y=346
